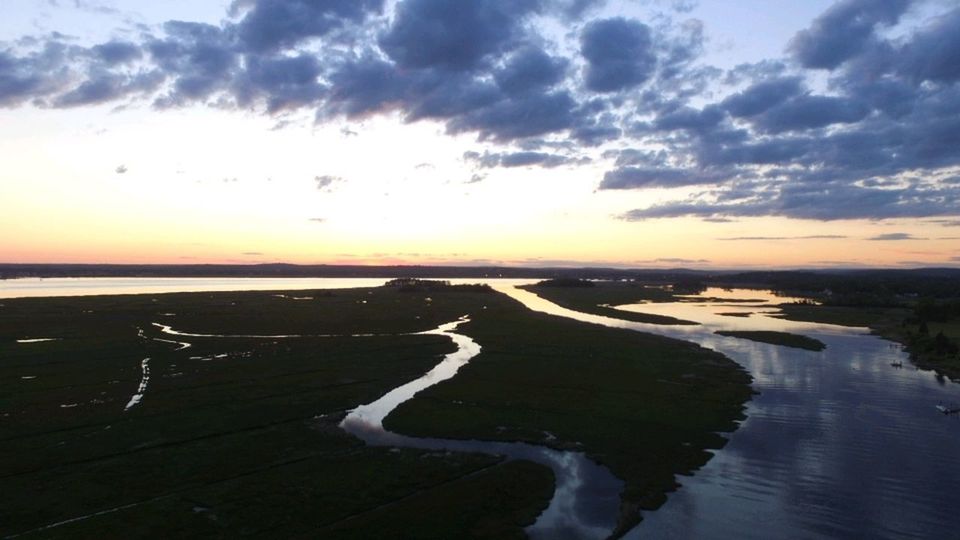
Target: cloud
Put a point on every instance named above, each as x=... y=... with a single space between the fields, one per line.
x=90 y=6
x=199 y=60
x=252 y=253
x=765 y=238
x=893 y=237
x=327 y=182
x=761 y=96
x=877 y=137
x=619 y=54
x=282 y=83
x=810 y=111
x=718 y=220
x=318 y=220
x=844 y=30
x=638 y=177
x=276 y=24
x=116 y=52
x=454 y=36
x=677 y=260
x=530 y=69
x=489 y=160
x=122 y=169
x=932 y=55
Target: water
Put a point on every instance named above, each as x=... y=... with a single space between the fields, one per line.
x=586 y=500
x=45 y=287
x=40 y=287
x=838 y=443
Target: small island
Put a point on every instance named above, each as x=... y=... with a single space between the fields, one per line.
x=784 y=339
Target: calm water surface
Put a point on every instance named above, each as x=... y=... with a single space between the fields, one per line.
x=838 y=443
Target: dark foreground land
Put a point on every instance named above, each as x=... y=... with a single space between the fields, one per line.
x=239 y=436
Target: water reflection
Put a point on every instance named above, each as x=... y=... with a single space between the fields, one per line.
x=837 y=444
x=586 y=499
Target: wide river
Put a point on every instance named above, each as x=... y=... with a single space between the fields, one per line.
x=837 y=444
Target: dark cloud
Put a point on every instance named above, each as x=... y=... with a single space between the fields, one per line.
x=766 y=238
x=453 y=36
x=280 y=82
x=808 y=112
x=650 y=177
x=893 y=237
x=33 y=75
x=762 y=96
x=274 y=24
x=688 y=118
x=530 y=69
x=116 y=52
x=576 y=9
x=527 y=116
x=199 y=58
x=327 y=182
x=818 y=201
x=934 y=53
x=880 y=138
x=619 y=54
x=109 y=87
x=520 y=159
x=843 y=31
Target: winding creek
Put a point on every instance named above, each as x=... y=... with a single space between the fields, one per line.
x=837 y=443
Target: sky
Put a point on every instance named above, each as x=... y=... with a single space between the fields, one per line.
x=622 y=133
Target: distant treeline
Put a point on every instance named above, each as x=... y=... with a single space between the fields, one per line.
x=10 y=271
x=835 y=287
x=566 y=282
x=421 y=285
x=888 y=288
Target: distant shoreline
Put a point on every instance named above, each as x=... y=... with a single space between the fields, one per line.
x=282 y=270
x=14 y=271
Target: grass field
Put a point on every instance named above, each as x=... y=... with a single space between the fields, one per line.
x=645 y=406
x=238 y=436
x=233 y=436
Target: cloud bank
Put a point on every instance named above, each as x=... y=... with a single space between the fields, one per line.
x=855 y=121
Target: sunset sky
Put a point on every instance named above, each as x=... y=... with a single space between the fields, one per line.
x=673 y=133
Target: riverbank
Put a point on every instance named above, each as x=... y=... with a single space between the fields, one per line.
x=647 y=407
x=599 y=297
x=894 y=324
